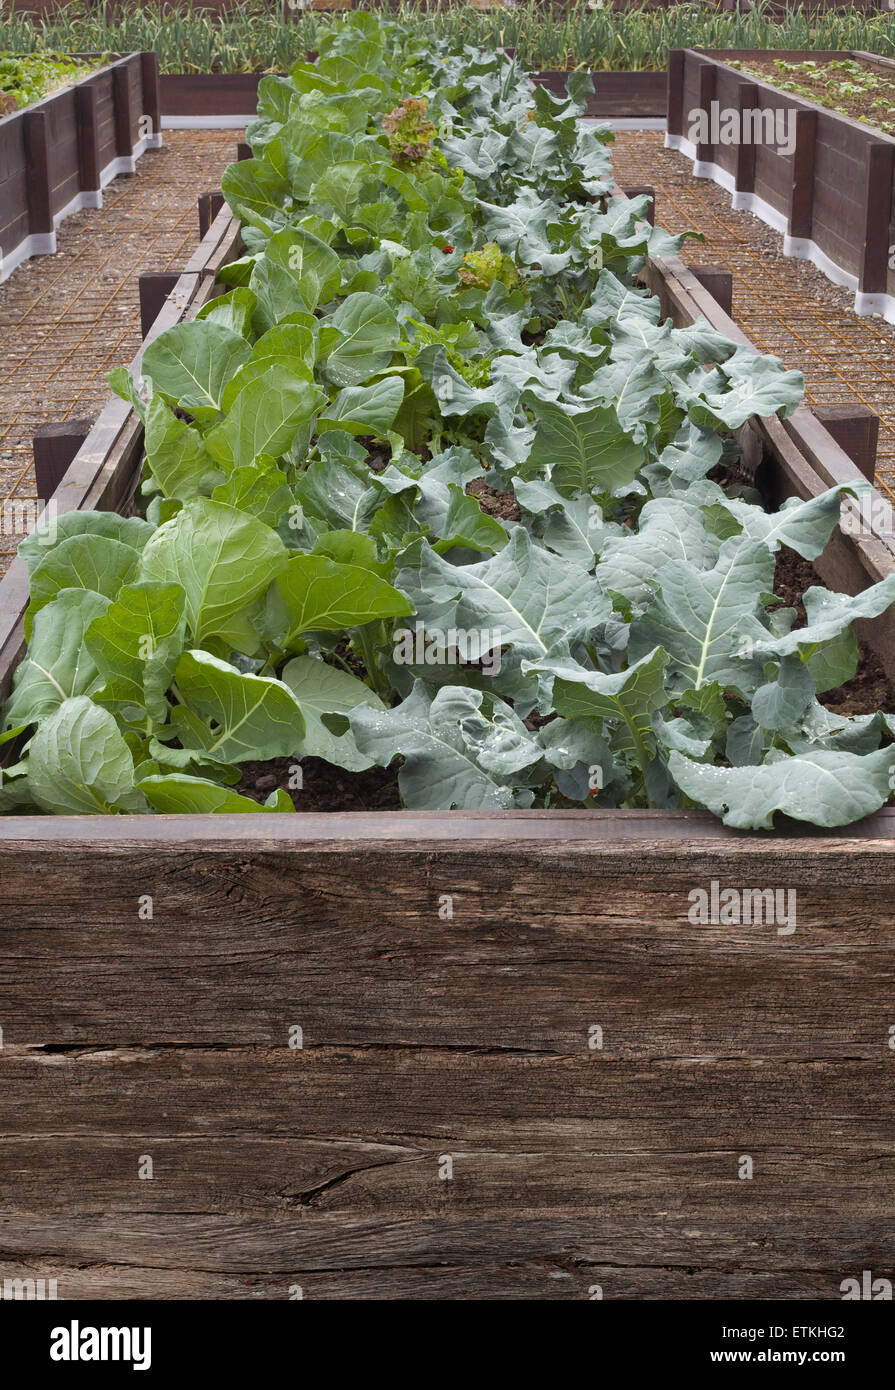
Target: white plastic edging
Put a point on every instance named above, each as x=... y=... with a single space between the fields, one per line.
x=626 y=122
x=799 y=248
x=208 y=122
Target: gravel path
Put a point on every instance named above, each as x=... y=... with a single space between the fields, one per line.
x=66 y=320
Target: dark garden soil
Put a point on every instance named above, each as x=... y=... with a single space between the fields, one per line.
x=869 y=689
x=324 y=787
x=503 y=505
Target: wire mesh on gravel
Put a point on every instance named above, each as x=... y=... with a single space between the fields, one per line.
x=66 y=320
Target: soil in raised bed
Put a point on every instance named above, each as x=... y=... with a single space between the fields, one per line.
x=843 y=85
x=324 y=787
x=869 y=689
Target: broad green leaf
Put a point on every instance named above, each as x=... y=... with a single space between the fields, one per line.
x=334 y=492
x=79 y=763
x=222 y=559
x=264 y=419
x=804 y=526
x=251 y=717
x=358 y=340
x=135 y=644
x=129 y=530
x=57 y=665
x=326 y=693
x=315 y=594
x=232 y=310
x=176 y=793
x=671 y=532
x=364 y=409
x=745 y=385
x=176 y=454
x=440 y=769
x=260 y=489
x=254 y=190
x=823 y=787
x=707 y=620
x=582 y=450
x=81 y=562
x=523 y=597
x=828 y=614
x=312 y=265
x=629 y=697
x=781 y=703
x=192 y=362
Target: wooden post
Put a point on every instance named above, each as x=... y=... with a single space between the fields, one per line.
x=744 y=172
x=152 y=106
x=40 y=215
x=708 y=77
x=718 y=282
x=54 y=448
x=210 y=205
x=855 y=429
x=674 y=102
x=877 y=205
x=801 y=208
x=121 y=86
x=155 y=286
x=88 y=138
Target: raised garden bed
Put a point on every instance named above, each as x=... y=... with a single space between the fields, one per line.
x=195 y=99
x=826 y=184
x=455 y=1054
x=862 y=86
x=57 y=155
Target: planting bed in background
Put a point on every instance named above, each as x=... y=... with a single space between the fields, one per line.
x=830 y=195
x=58 y=154
x=26 y=79
x=862 y=86
x=251 y=37
x=194 y=100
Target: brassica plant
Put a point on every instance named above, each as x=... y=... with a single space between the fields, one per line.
x=433 y=481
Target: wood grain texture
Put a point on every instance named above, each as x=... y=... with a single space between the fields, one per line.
x=423 y=1039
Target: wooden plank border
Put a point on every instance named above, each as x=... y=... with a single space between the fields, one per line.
x=207 y=97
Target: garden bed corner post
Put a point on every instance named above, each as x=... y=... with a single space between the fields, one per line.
x=42 y=230
x=876 y=250
x=674 y=115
